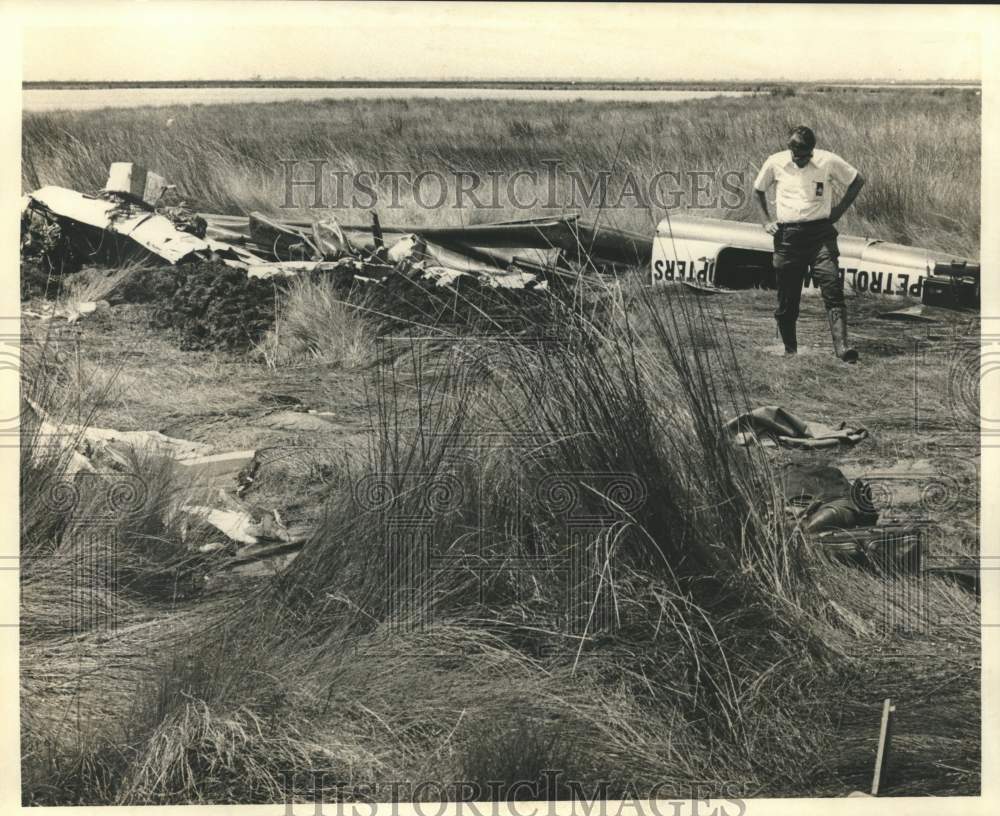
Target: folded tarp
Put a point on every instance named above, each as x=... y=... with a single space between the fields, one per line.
x=772 y=425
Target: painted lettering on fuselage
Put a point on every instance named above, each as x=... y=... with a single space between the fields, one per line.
x=873 y=281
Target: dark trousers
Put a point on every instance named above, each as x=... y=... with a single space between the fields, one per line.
x=797 y=248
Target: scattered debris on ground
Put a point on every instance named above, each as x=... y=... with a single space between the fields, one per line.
x=106 y=445
x=217 y=468
x=218 y=283
x=243 y=538
x=224 y=476
x=910 y=314
x=70 y=312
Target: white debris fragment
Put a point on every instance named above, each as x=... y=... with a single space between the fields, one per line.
x=135 y=182
x=235 y=525
x=216 y=467
x=113 y=442
x=409 y=247
x=155 y=233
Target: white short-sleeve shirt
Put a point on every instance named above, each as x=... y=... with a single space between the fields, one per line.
x=803 y=193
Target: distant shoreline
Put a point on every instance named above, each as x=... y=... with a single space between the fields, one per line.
x=753 y=85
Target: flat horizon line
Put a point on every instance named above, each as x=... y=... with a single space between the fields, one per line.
x=359 y=82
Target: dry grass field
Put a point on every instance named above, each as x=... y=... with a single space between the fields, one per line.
x=719 y=654
x=918 y=149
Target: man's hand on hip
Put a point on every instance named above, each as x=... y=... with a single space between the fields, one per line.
x=771 y=227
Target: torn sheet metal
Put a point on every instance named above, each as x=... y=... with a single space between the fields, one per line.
x=541 y=233
x=329 y=239
x=281 y=240
x=154 y=233
x=468 y=262
x=611 y=245
x=135 y=183
x=218 y=467
x=86 y=443
x=408 y=248
x=239 y=526
x=515 y=280
x=288 y=269
x=528 y=259
x=577 y=239
x=567 y=234
x=441 y=275
x=235 y=256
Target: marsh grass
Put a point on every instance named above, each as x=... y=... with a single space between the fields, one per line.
x=699 y=640
x=226 y=158
x=693 y=585
x=317 y=322
x=705 y=642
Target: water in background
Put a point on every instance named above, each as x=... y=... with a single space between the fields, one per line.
x=39 y=99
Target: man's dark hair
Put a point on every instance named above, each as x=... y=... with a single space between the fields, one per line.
x=801 y=135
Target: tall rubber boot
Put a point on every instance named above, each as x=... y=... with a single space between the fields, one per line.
x=786 y=328
x=838 y=328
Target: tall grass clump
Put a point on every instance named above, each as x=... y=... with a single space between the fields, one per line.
x=317 y=322
x=672 y=567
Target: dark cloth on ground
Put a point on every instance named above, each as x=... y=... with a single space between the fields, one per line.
x=772 y=425
x=838 y=516
x=822 y=498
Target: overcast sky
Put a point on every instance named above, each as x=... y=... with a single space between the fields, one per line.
x=239 y=40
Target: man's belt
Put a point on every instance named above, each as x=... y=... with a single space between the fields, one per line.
x=804 y=223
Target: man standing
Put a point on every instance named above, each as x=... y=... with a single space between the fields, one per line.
x=804 y=235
